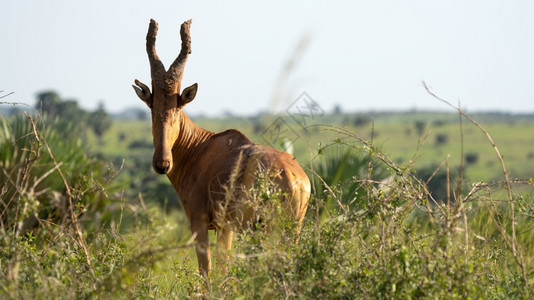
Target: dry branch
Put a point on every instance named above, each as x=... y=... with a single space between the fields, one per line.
x=3 y=96
x=74 y=218
x=518 y=256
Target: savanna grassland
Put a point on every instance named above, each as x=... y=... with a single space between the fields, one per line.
x=404 y=205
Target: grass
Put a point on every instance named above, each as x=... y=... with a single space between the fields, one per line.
x=392 y=241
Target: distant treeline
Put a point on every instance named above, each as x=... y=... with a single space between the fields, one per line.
x=361 y=119
x=52 y=107
x=50 y=100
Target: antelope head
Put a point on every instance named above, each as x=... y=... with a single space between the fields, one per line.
x=165 y=101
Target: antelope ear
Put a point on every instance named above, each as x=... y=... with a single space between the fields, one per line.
x=143 y=92
x=189 y=94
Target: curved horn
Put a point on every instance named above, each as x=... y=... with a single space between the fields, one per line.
x=176 y=70
x=156 y=66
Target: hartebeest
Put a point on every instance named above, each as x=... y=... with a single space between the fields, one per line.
x=211 y=172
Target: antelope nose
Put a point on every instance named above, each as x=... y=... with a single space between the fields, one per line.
x=162 y=167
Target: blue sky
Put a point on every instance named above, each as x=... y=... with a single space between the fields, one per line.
x=362 y=55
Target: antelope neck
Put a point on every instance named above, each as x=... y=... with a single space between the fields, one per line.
x=188 y=147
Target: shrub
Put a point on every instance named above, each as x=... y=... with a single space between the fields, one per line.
x=53 y=198
x=361 y=120
x=441 y=139
x=471 y=158
x=383 y=248
x=393 y=241
x=437 y=182
x=420 y=127
x=341 y=173
x=42 y=172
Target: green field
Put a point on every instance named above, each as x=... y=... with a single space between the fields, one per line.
x=125 y=235
x=393 y=133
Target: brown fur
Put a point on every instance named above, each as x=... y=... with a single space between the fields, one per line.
x=212 y=172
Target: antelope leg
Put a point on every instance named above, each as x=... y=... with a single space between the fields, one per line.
x=224 y=244
x=202 y=247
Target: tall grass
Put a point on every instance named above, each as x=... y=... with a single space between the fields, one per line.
x=363 y=237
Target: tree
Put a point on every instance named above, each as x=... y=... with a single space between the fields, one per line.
x=420 y=127
x=141 y=115
x=437 y=186
x=337 y=109
x=69 y=109
x=47 y=103
x=471 y=158
x=99 y=121
x=68 y=115
x=13 y=111
x=441 y=139
x=361 y=120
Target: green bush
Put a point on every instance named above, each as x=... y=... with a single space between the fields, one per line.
x=387 y=247
x=344 y=175
x=43 y=170
x=386 y=239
